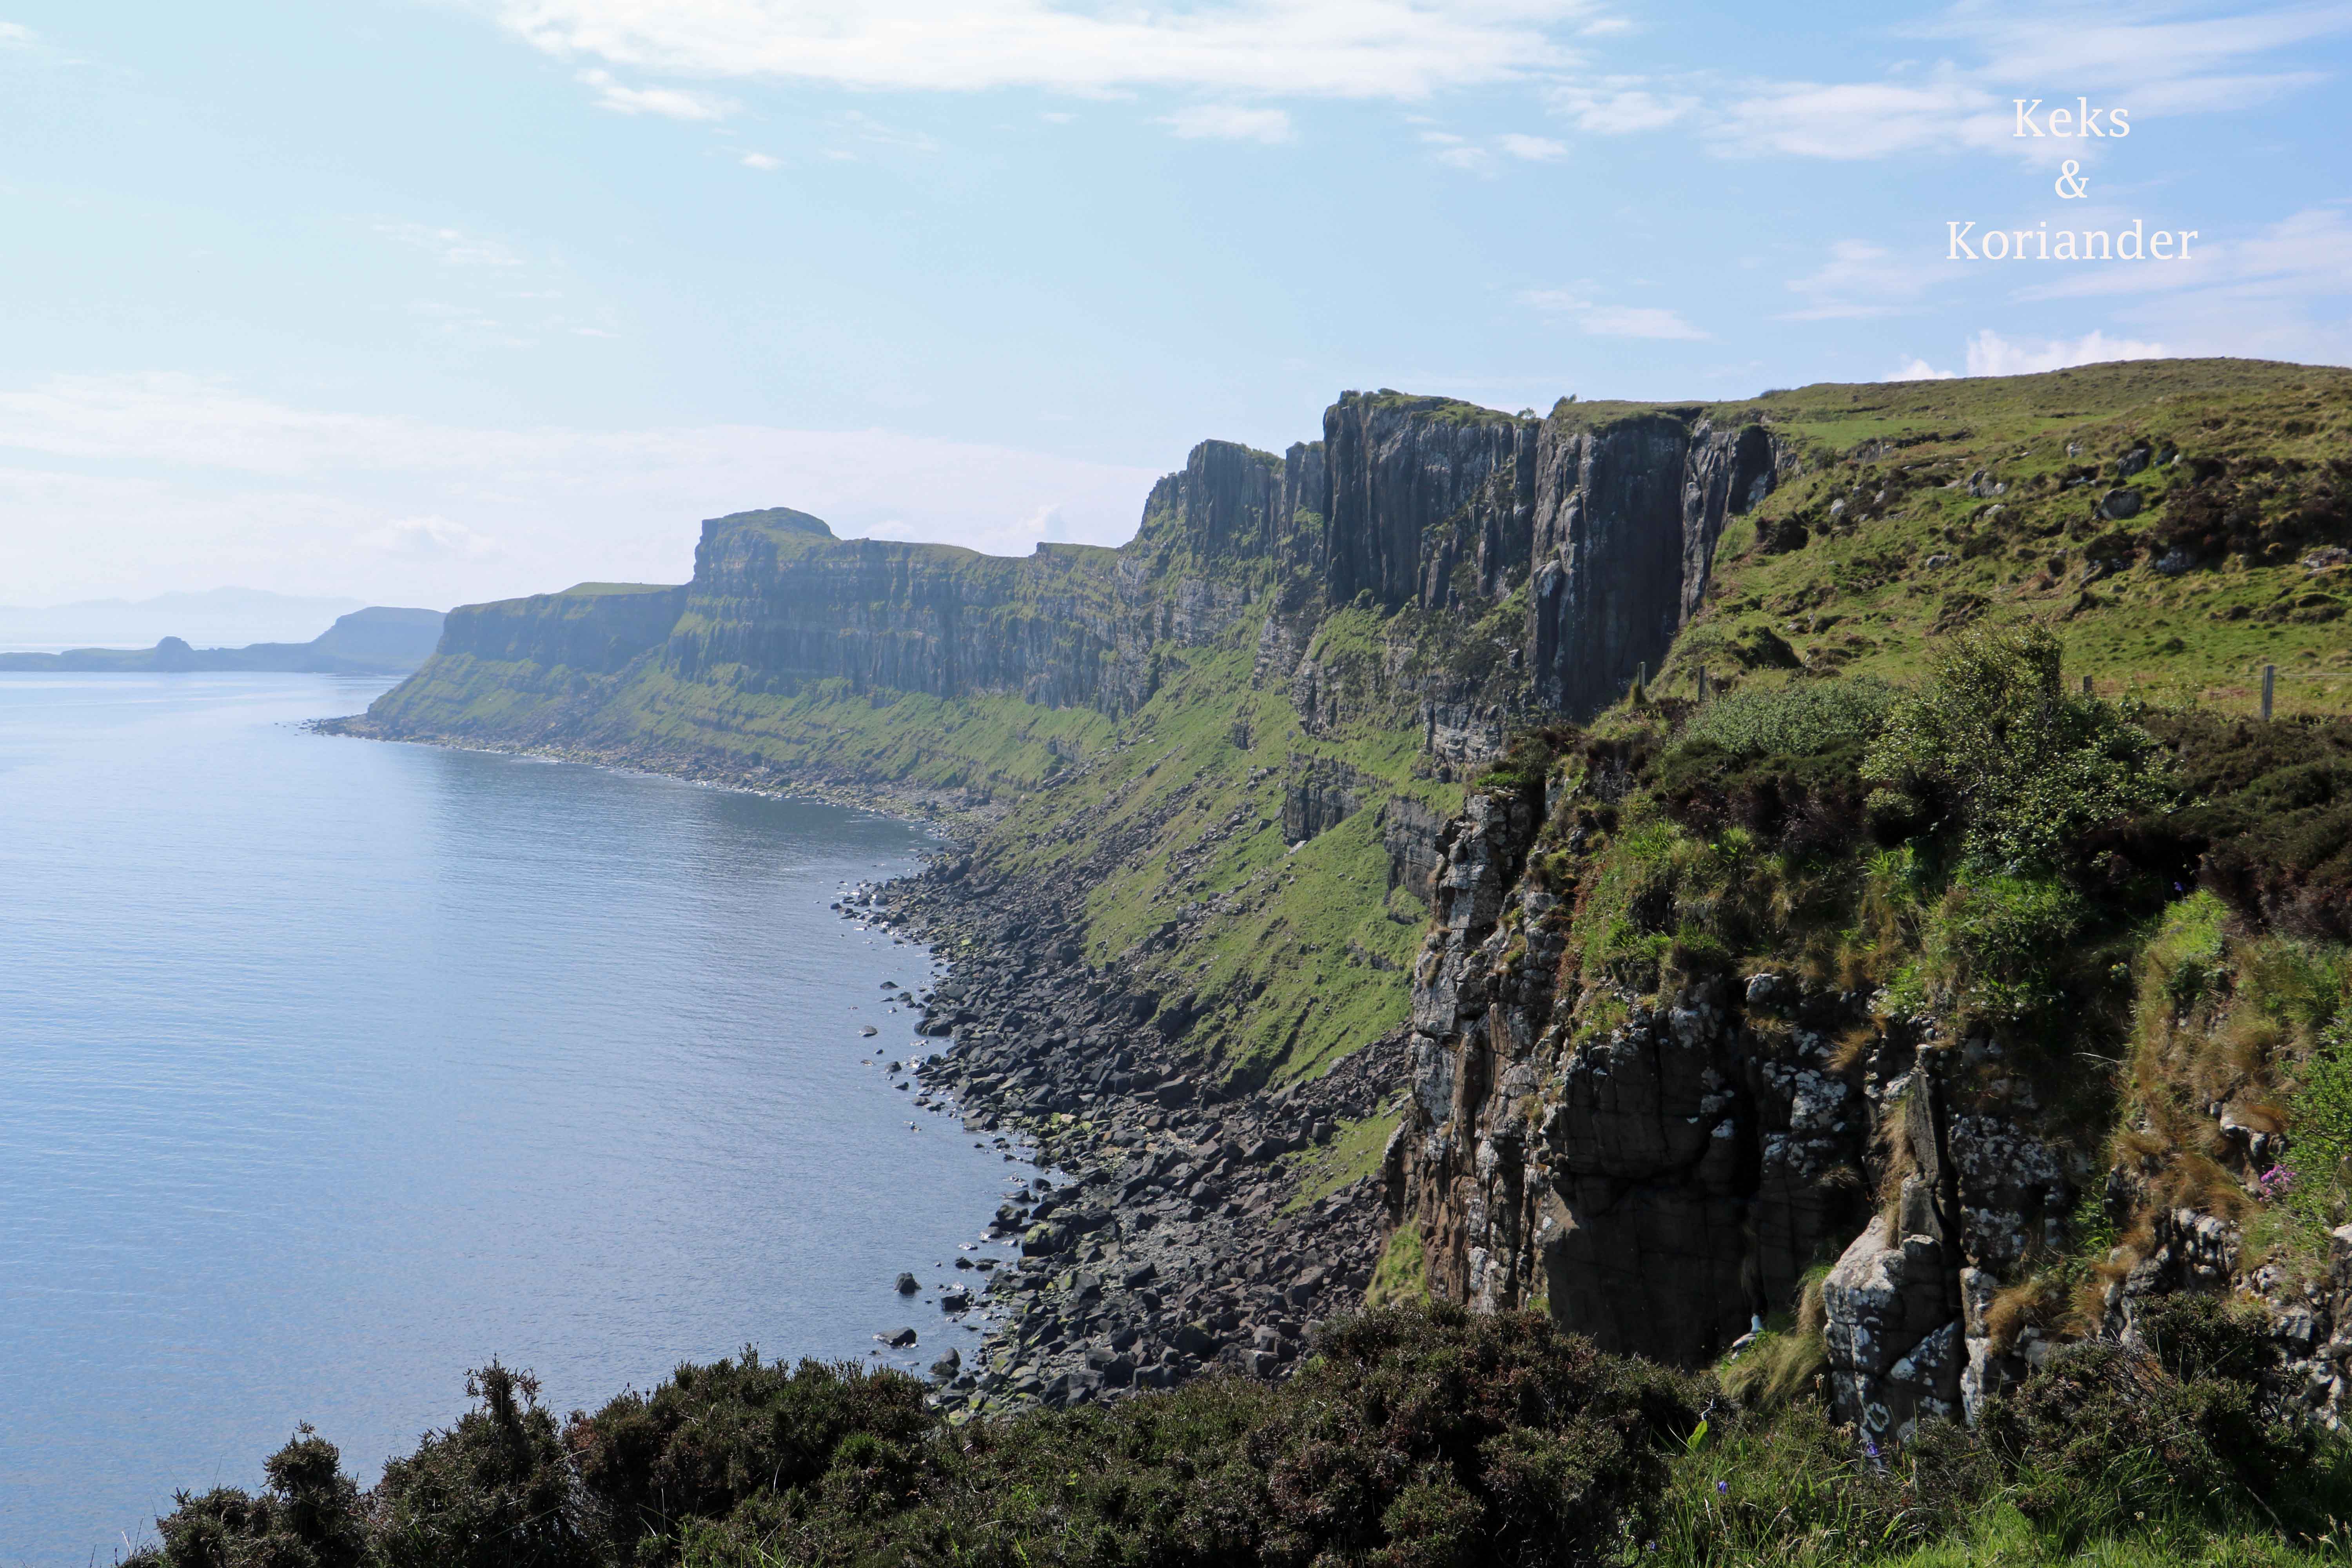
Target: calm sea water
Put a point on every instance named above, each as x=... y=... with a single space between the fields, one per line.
x=330 y=1069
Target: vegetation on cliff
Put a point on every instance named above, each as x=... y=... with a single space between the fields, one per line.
x=1408 y=1439
x=1890 y=845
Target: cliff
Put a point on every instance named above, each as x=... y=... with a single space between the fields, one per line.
x=1242 y=741
x=1737 y=1042
x=1429 y=507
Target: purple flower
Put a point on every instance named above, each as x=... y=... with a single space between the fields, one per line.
x=1871 y=1449
x=1723 y=1486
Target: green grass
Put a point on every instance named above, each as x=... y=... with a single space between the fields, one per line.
x=1351 y=1156
x=1402 y=1277
x=1859 y=597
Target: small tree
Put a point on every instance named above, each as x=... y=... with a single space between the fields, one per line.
x=2030 y=767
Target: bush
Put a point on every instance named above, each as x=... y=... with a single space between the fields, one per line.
x=2271 y=812
x=2030 y=768
x=1410 y=1437
x=309 y=1518
x=1785 y=765
x=2000 y=947
x=493 y=1491
x=711 y=1437
x=2319 y=1124
x=2100 y=1435
x=1801 y=720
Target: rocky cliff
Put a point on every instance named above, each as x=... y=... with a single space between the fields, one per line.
x=1429 y=507
x=1722 y=1041
x=1661 y=1181
x=1662 y=1081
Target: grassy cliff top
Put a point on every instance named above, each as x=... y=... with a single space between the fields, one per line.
x=1979 y=413
x=1452 y=410
x=611 y=590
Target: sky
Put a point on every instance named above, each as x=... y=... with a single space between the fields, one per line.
x=427 y=301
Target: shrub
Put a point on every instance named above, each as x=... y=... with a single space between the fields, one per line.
x=2271 y=812
x=1785 y=765
x=493 y=1491
x=308 y=1518
x=2319 y=1124
x=2001 y=947
x=2103 y=1435
x=1409 y=1437
x=1800 y=720
x=711 y=1437
x=2031 y=768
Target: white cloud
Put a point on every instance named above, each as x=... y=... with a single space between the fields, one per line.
x=1230 y=122
x=16 y=35
x=1346 y=48
x=1621 y=106
x=1862 y=280
x=1850 y=121
x=232 y=486
x=675 y=102
x=763 y=162
x=2000 y=50
x=1614 y=320
x=1637 y=322
x=1990 y=354
x=2307 y=254
x=1535 y=149
x=2171 y=64
x=450 y=246
x=866 y=127
x=427 y=537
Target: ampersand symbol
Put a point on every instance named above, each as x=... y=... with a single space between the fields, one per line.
x=2069 y=185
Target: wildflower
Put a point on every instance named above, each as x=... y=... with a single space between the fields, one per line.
x=1723 y=1486
x=1871 y=1449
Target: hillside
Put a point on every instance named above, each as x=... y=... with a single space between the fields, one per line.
x=1318 y=648
x=380 y=640
x=1914 y=1075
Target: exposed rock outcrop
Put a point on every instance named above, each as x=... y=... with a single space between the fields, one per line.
x=1408 y=503
x=1664 y=1170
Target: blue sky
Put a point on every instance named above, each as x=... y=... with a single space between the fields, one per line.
x=431 y=301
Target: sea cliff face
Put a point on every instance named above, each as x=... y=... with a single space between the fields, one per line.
x=1431 y=508
x=1263 y=754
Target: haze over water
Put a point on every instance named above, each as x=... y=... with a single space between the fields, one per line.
x=330 y=1069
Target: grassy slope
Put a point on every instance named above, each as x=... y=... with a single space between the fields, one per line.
x=1863 y=597
x=1289 y=957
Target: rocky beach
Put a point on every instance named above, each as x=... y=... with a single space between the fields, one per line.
x=1173 y=1235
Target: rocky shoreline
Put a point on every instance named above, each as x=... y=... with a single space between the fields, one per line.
x=1172 y=1239
x=1177 y=1237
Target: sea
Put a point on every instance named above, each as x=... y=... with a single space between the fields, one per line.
x=331 y=1068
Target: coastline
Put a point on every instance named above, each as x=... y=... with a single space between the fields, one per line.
x=958 y=811
x=1179 y=1238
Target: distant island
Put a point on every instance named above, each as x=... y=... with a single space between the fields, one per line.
x=379 y=640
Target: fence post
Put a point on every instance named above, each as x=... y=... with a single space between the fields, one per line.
x=2086 y=686
x=2269 y=681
